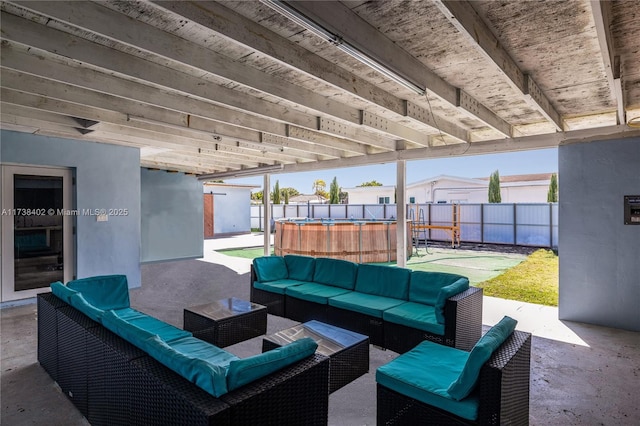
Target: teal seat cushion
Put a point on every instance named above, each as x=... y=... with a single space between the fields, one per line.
x=300 y=267
x=166 y=332
x=424 y=286
x=104 y=292
x=387 y=281
x=446 y=292
x=368 y=304
x=335 y=272
x=270 y=268
x=62 y=291
x=80 y=303
x=210 y=377
x=424 y=374
x=277 y=286
x=247 y=370
x=135 y=335
x=479 y=355
x=415 y=315
x=196 y=348
x=314 y=292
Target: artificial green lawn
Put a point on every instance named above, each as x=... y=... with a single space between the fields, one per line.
x=532 y=279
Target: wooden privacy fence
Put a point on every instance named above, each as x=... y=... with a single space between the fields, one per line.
x=526 y=224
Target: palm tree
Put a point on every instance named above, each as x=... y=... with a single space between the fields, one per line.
x=318 y=187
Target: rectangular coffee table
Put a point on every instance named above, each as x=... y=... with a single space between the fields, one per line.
x=349 y=351
x=227 y=321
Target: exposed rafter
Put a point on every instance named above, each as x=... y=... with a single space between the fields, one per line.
x=462 y=15
x=340 y=20
x=602 y=17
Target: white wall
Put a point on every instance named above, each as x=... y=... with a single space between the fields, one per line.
x=599 y=255
x=370 y=194
x=231 y=209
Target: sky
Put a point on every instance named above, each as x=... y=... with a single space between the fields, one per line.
x=512 y=163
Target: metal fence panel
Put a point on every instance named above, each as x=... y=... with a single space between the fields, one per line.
x=522 y=224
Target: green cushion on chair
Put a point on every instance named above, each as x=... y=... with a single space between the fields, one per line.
x=129 y=332
x=140 y=320
x=415 y=315
x=81 y=304
x=247 y=370
x=384 y=281
x=314 y=292
x=210 y=377
x=62 y=291
x=425 y=285
x=424 y=373
x=446 y=292
x=270 y=268
x=335 y=272
x=300 y=268
x=479 y=355
x=276 y=286
x=368 y=304
x=104 y=292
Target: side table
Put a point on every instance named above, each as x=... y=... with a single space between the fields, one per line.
x=227 y=321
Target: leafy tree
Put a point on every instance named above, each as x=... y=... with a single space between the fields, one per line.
x=318 y=187
x=334 y=192
x=494 y=188
x=276 y=193
x=370 y=183
x=288 y=191
x=256 y=196
x=552 y=195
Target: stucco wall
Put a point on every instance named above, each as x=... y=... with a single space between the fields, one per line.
x=107 y=176
x=599 y=257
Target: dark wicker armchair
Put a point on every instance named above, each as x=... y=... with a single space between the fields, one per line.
x=503 y=391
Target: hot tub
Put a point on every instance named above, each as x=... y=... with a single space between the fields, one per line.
x=354 y=240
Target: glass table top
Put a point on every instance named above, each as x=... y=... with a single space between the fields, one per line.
x=225 y=308
x=330 y=339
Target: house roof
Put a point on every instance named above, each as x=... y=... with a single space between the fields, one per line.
x=233 y=87
x=522 y=178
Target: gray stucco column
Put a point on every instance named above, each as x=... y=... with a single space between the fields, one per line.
x=401 y=213
x=267 y=213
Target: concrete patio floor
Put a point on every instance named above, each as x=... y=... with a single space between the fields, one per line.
x=580 y=374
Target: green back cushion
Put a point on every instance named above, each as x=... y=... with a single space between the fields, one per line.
x=207 y=376
x=300 y=267
x=335 y=272
x=384 y=281
x=129 y=332
x=247 y=370
x=425 y=286
x=104 y=292
x=270 y=268
x=479 y=355
x=81 y=304
x=62 y=291
x=446 y=292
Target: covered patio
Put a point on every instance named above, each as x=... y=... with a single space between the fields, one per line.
x=580 y=374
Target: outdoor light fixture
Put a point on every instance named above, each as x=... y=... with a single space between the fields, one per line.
x=242 y=172
x=308 y=24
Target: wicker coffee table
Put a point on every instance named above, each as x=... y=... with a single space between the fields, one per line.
x=349 y=351
x=226 y=321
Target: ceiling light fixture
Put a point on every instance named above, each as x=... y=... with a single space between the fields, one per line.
x=242 y=172
x=308 y=24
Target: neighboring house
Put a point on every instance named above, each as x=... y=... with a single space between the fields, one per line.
x=531 y=188
x=307 y=199
x=227 y=209
x=371 y=194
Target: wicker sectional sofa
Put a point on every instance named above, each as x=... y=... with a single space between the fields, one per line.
x=395 y=307
x=121 y=366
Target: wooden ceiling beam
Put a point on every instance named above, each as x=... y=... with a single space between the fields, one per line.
x=466 y=20
x=601 y=11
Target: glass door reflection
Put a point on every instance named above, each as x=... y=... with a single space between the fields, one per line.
x=38 y=231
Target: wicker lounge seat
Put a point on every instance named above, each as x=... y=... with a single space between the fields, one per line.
x=500 y=394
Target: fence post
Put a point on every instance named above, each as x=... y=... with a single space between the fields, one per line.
x=482 y=222
x=550 y=225
x=515 y=224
